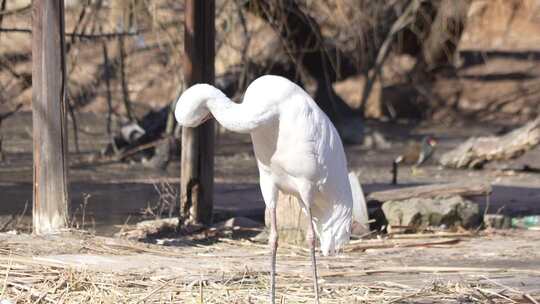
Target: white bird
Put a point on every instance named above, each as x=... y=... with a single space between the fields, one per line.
x=298 y=151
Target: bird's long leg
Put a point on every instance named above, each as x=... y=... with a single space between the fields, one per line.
x=273 y=242
x=270 y=192
x=311 y=240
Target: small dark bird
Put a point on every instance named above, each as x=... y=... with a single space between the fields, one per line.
x=415 y=155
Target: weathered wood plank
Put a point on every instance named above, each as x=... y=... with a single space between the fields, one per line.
x=197 y=159
x=463 y=189
x=50 y=211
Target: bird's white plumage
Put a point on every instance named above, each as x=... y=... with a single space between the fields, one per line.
x=298 y=150
x=360 y=212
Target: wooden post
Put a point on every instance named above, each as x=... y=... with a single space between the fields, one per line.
x=197 y=159
x=50 y=212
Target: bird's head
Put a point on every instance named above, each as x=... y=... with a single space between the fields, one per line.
x=430 y=141
x=191 y=108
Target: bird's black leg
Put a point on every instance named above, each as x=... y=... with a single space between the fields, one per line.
x=394 y=172
x=273 y=242
x=311 y=240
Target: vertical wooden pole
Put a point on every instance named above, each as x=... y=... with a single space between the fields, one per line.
x=197 y=159
x=50 y=212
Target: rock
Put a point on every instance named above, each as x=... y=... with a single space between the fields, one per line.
x=422 y=212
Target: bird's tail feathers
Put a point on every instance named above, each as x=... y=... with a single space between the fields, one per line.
x=335 y=232
x=360 y=213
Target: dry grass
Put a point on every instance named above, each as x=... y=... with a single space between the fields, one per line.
x=24 y=283
x=26 y=279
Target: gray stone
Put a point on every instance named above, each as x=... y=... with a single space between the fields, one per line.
x=422 y=212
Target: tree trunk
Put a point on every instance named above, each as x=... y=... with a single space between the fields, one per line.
x=434 y=35
x=197 y=159
x=50 y=213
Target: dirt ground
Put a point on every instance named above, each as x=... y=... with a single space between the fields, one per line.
x=119 y=192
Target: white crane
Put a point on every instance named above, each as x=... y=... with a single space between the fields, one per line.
x=298 y=151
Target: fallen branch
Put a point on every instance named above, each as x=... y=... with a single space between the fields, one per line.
x=423 y=269
x=431 y=235
x=390 y=244
x=443 y=269
x=477 y=151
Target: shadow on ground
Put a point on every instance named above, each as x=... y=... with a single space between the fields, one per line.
x=111 y=204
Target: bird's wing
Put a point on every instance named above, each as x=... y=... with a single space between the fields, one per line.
x=302 y=139
x=421 y=158
x=360 y=213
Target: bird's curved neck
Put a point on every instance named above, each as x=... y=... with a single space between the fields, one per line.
x=236 y=117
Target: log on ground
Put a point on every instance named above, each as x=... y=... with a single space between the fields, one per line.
x=476 y=152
